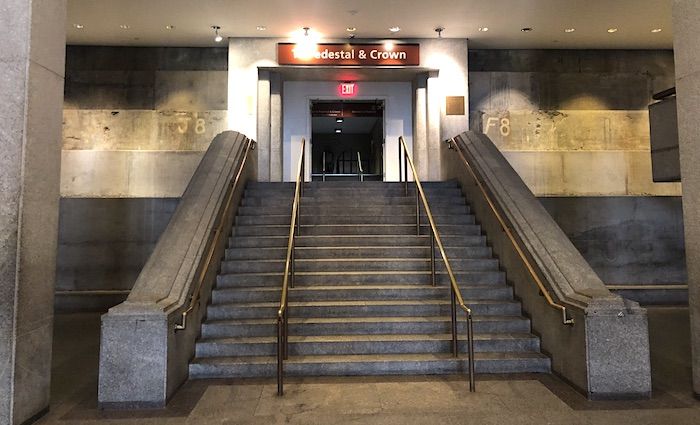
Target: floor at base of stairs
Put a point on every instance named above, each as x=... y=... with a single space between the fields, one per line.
x=502 y=399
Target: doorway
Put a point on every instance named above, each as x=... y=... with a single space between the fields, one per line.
x=347 y=140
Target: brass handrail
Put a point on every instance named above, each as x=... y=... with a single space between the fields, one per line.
x=531 y=270
x=283 y=312
x=218 y=231
x=455 y=292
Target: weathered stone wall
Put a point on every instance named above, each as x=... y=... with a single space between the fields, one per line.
x=103 y=245
x=572 y=123
x=127 y=99
x=136 y=123
x=575 y=126
x=628 y=240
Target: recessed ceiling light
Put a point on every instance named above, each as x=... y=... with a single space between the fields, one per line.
x=570 y=30
x=338 y=130
x=339 y=120
x=217 y=37
x=170 y=27
x=612 y=30
x=350 y=29
x=395 y=29
x=124 y=26
x=656 y=30
x=261 y=28
x=78 y=26
x=484 y=29
x=527 y=29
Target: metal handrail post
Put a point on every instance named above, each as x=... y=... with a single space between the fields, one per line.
x=289 y=269
x=432 y=258
x=323 y=169
x=280 y=357
x=286 y=331
x=417 y=213
x=470 y=341
x=453 y=303
x=293 y=279
x=456 y=293
x=405 y=169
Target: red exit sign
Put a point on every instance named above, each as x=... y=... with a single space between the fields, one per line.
x=347 y=89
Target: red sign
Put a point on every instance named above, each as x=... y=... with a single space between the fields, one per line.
x=347 y=89
x=337 y=54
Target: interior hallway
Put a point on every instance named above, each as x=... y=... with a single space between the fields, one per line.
x=507 y=399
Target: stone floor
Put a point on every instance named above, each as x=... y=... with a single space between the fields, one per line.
x=502 y=400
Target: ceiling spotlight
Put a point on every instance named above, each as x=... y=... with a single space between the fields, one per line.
x=439 y=31
x=570 y=30
x=350 y=29
x=389 y=46
x=170 y=27
x=483 y=29
x=656 y=30
x=338 y=130
x=339 y=120
x=218 y=38
x=124 y=26
x=78 y=26
x=612 y=30
x=261 y=28
x=351 y=36
x=395 y=29
x=527 y=29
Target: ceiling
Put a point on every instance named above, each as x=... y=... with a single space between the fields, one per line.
x=147 y=21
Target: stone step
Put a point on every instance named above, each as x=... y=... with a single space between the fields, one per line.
x=355 y=192
x=365 y=365
x=333 y=345
x=357 y=264
x=355 y=252
x=350 y=201
x=349 y=183
x=281 y=241
x=357 y=229
x=360 y=278
x=357 y=293
x=285 y=219
x=352 y=210
x=363 y=326
x=359 y=309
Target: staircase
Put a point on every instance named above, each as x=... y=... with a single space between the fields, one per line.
x=363 y=303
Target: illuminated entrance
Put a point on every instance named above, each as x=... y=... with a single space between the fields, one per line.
x=347 y=140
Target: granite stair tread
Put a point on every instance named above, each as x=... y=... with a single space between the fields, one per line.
x=362 y=303
x=380 y=337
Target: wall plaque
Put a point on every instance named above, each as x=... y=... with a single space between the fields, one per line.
x=347 y=54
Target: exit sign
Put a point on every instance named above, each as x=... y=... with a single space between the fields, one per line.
x=347 y=89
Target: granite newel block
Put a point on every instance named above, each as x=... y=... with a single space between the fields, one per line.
x=143 y=359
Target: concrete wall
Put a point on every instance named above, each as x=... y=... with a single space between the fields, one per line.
x=628 y=240
x=572 y=123
x=575 y=126
x=121 y=102
x=136 y=122
x=103 y=245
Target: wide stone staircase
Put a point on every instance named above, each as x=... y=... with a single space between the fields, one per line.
x=363 y=303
